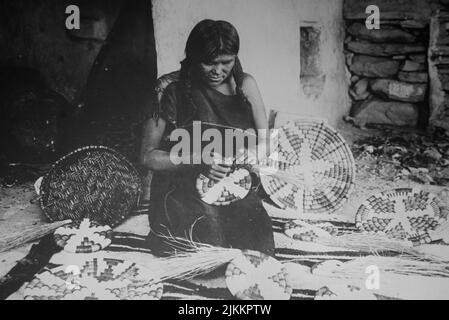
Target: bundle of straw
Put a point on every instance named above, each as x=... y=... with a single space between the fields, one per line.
x=404 y=265
x=28 y=233
x=371 y=243
x=191 y=259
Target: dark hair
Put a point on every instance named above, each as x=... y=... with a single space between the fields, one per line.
x=206 y=41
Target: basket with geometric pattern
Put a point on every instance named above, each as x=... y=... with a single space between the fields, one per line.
x=83 y=237
x=407 y=214
x=256 y=276
x=93 y=182
x=94 y=278
x=320 y=163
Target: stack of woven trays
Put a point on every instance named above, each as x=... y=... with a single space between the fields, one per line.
x=93 y=182
x=319 y=161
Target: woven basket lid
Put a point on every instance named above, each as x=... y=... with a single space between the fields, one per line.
x=406 y=213
x=94 y=278
x=318 y=160
x=93 y=182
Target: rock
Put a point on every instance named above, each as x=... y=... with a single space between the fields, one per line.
x=389 y=9
x=413 y=77
x=433 y=154
x=443 y=70
x=374 y=67
x=397 y=90
x=376 y=111
x=349 y=57
x=444 y=78
x=384 y=34
x=410 y=66
x=385 y=49
x=360 y=90
x=354 y=78
x=421 y=58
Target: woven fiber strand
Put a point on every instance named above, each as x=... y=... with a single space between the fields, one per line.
x=94 y=279
x=319 y=161
x=401 y=213
x=83 y=237
x=256 y=276
x=93 y=182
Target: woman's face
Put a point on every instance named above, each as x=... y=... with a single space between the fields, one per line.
x=218 y=70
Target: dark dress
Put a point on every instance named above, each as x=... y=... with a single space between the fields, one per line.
x=175 y=205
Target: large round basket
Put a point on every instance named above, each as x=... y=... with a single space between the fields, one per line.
x=93 y=182
x=319 y=164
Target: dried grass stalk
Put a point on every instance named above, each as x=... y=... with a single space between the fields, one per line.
x=191 y=259
x=405 y=265
x=29 y=233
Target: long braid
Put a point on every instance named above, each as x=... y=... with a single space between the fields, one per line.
x=238 y=77
x=186 y=85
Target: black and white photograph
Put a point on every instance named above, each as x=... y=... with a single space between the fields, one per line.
x=224 y=150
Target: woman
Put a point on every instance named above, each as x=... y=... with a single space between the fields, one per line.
x=212 y=88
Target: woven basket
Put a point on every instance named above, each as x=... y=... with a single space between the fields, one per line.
x=256 y=276
x=94 y=278
x=320 y=162
x=407 y=214
x=93 y=182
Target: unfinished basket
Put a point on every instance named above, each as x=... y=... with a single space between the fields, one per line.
x=93 y=182
x=401 y=213
x=94 y=279
x=256 y=276
x=320 y=163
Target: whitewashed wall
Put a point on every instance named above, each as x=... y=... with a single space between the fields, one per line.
x=270 y=47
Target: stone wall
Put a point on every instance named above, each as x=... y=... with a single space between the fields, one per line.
x=388 y=66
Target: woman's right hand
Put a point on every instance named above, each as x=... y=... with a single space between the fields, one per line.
x=217 y=171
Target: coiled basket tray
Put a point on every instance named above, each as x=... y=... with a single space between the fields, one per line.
x=319 y=162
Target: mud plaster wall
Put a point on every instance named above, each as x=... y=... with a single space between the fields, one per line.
x=33 y=34
x=270 y=47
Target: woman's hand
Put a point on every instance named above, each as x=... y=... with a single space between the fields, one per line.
x=218 y=169
x=217 y=172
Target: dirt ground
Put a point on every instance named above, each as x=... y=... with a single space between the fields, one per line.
x=19 y=204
